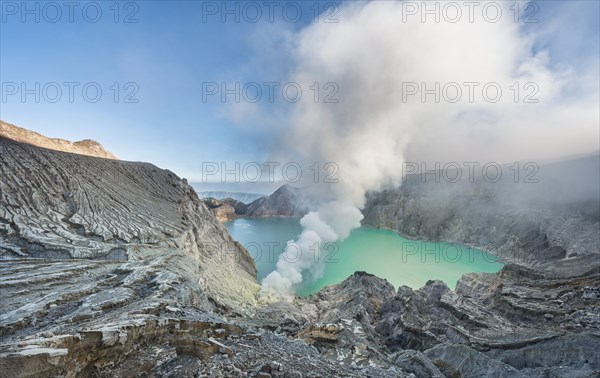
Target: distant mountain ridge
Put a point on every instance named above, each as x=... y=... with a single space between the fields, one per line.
x=286 y=201
x=86 y=147
x=238 y=196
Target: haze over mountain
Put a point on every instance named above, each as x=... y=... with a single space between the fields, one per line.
x=238 y=196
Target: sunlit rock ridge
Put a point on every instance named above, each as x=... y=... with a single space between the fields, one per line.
x=84 y=147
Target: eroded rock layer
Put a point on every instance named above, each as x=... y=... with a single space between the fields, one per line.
x=90 y=243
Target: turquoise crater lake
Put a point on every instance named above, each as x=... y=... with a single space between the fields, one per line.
x=380 y=252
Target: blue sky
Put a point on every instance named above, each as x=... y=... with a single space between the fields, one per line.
x=168 y=53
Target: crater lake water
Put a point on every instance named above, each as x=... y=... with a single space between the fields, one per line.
x=380 y=252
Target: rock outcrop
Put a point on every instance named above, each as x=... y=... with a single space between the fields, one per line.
x=510 y=324
x=226 y=209
x=98 y=254
x=286 y=201
x=84 y=147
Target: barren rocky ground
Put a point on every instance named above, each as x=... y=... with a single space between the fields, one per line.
x=117 y=269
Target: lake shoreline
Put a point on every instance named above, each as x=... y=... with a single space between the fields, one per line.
x=378 y=251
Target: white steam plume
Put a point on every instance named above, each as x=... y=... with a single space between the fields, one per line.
x=372 y=53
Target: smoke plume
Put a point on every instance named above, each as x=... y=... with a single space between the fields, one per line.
x=375 y=53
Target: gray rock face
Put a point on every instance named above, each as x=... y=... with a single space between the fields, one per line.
x=66 y=206
x=467 y=362
x=418 y=364
x=494 y=325
x=95 y=246
x=227 y=209
x=285 y=201
x=501 y=331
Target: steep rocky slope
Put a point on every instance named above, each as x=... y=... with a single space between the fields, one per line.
x=101 y=248
x=84 y=147
x=285 y=201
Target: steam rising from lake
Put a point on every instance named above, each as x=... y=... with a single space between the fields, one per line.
x=374 y=56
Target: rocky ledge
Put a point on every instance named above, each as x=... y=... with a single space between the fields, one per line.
x=83 y=147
